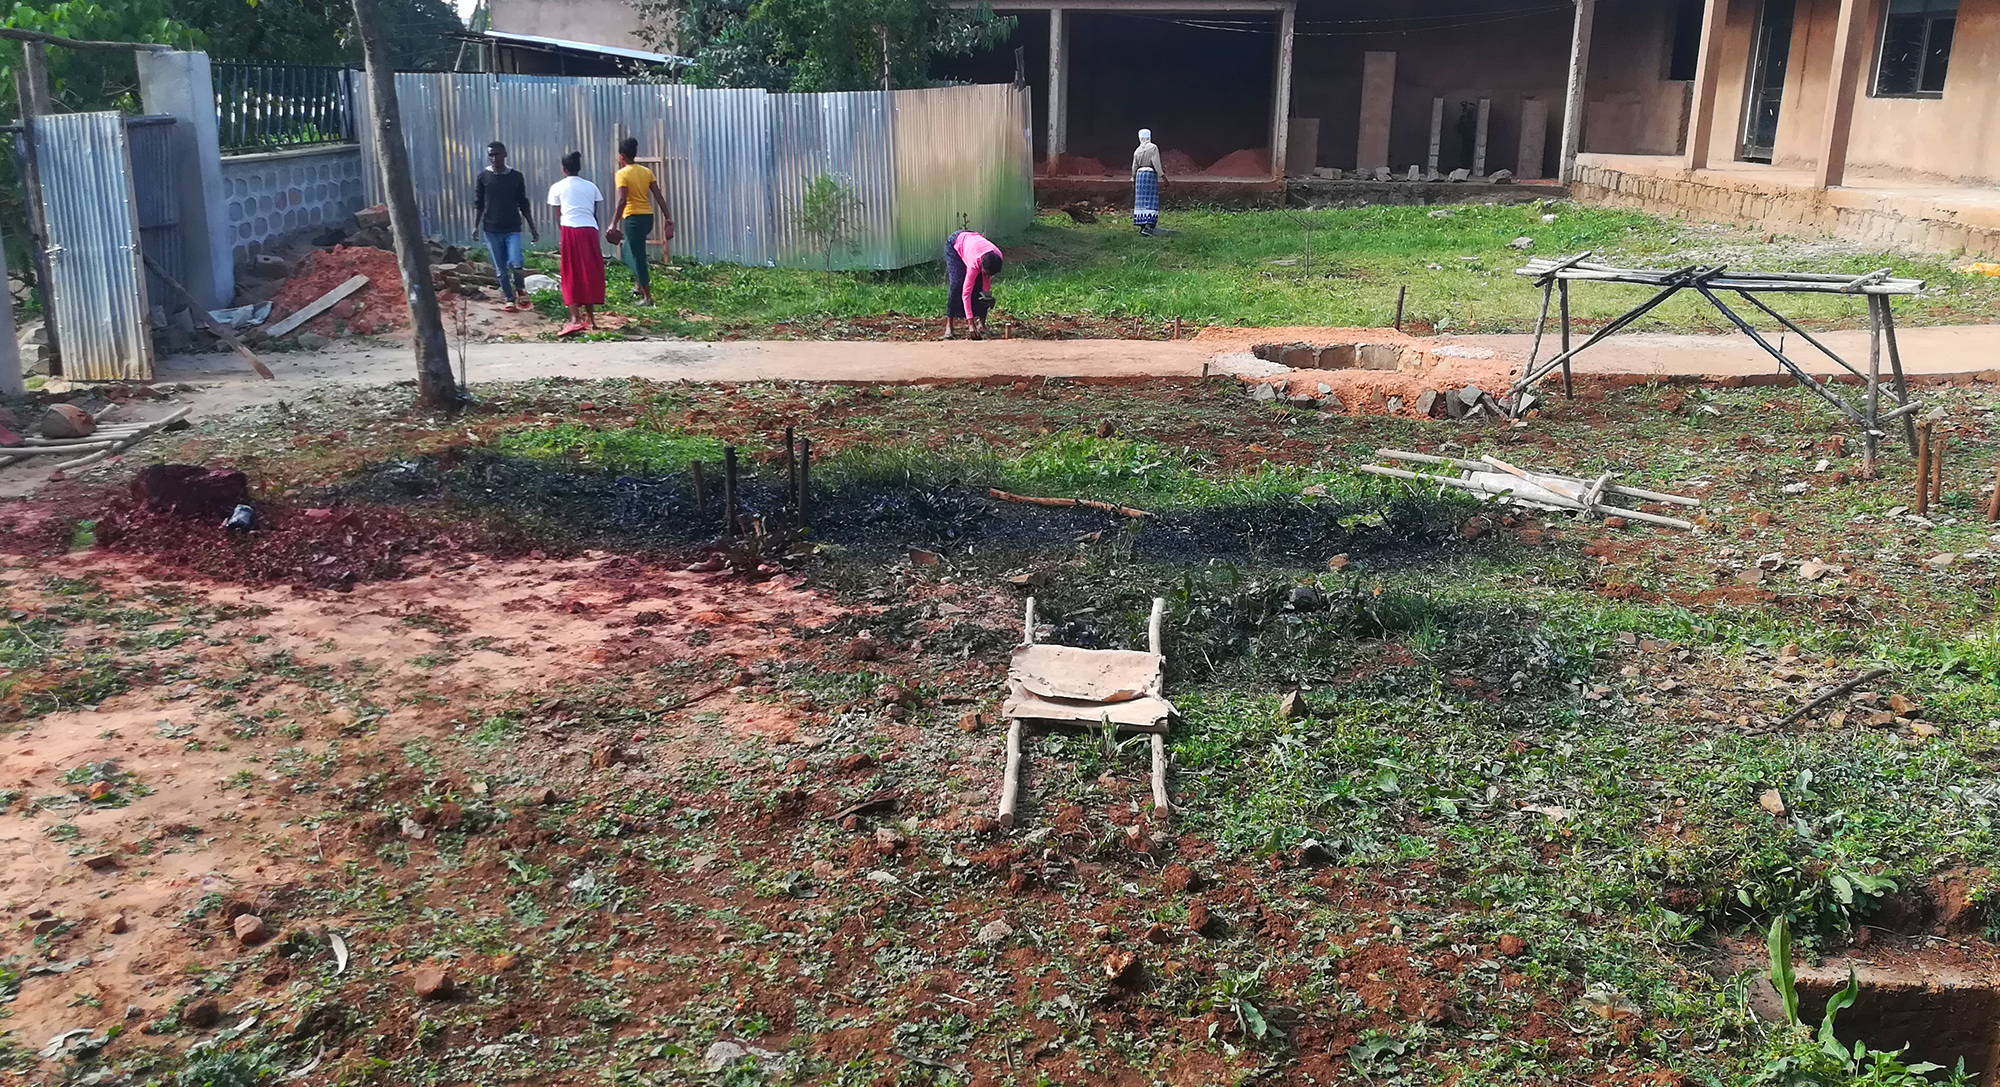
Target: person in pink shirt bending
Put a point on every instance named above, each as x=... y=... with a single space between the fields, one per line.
x=970 y=263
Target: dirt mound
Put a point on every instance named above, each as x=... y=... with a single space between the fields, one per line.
x=1178 y=163
x=322 y=547
x=377 y=307
x=1250 y=162
x=1078 y=166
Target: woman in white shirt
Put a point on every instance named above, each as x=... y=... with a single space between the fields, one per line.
x=582 y=258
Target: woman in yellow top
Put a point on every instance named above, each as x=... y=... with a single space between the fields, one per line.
x=636 y=200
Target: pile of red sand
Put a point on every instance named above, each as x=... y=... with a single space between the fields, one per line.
x=378 y=307
x=1250 y=162
x=1178 y=163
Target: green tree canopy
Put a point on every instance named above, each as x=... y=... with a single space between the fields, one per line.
x=817 y=45
x=321 y=31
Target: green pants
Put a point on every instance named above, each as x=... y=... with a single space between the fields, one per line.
x=637 y=229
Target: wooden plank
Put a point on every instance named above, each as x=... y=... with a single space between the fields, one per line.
x=202 y=318
x=318 y=306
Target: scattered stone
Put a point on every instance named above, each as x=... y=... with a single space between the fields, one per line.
x=1460 y=174
x=1394 y=406
x=994 y=933
x=547 y=798
x=504 y=962
x=202 y=1014
x=1814 y=570
x=312 y=341
x=1503 y=177
x=249 y=929
x=1263 y=390
x=1121 y=967
x=1178 y=878
x=1313 y=851
x=1615 y=522
x=412 y=829
x=971 y=722
x=1512 y=946
x=1293 y=706
x=1200 y=921
x=857 y=762
x=118 y=925
x=1382 y=173
x=1427 y=403
x=1332 y=403
x=1902 y=706
x=62 y=421
x=863 y=648
x=1471 y=395
x=1800 y=487
x=1940 y=561
x=889 y=694
x=100 y=862
x=1337 y=562
x=1771 y=800
x=1438 y=213
x=1924 y=730
x=890 y=840
x=1522 y=242
x=431 y=983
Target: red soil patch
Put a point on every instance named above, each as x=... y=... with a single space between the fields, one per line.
x=381 y=306
x=1250 y=162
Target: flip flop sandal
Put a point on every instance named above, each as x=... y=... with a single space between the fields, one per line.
x=568 y=331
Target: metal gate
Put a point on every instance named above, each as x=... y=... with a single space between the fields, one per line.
x=156 y=181
x=97 y=286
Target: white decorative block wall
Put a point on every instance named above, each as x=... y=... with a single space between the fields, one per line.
x=276 y=197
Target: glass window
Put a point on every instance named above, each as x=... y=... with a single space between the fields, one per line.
x=1916 y=46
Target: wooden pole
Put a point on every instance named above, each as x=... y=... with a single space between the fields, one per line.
x=31 y=91
x=1569 y=391
x=791 y=471
x=1874 y=419
x=700 y=490
x=1937 y=444
x=1993 y=504
x=728 y=492
x=1896 y=368
x=1010 y=779
x=1160 y=775
x=1923 y=503
x=805 y=481
x=435 y=385
x=1402 y=290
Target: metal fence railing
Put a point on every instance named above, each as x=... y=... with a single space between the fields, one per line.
x=269 y=107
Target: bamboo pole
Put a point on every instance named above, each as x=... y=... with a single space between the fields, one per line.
x=1010 y=780
x=1160 y=775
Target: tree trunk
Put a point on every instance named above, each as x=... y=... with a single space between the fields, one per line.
x=435 y=387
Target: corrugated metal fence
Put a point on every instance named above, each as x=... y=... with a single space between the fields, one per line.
x=735 y=163
x=96 y=287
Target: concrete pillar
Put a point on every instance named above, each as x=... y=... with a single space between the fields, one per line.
x=1479 y=137
x=1437 y=135
x=1851 y=36
x=1281 y=95
x=1534 y=139
x=178 y=85
x=1579 y=81
x=1378 y=98
x=1058 y=85
x=1701 y=112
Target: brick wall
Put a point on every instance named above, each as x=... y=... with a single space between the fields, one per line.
x=276 y=197
x=1883 y=220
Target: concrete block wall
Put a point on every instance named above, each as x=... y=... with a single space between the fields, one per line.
x=1911 y=223
x=279 y=196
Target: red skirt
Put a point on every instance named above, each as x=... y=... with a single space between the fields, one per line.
x=582 y=262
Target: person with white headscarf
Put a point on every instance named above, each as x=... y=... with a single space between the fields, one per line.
x=1146 y=175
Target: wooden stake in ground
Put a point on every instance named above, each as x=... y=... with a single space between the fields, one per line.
x=435 y=387
x=1923 y=503
x=1937 y=465
x=1993 y=504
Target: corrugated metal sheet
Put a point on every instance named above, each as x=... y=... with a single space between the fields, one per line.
x=96 y=285
x=156 y=182
x=735 y=163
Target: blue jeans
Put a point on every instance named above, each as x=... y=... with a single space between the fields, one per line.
x=505 y=249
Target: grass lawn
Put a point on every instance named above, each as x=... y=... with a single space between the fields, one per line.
x=1251 y=268
x=663 y=827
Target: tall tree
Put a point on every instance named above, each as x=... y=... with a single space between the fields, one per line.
x=435 y=387
x=818 y=45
